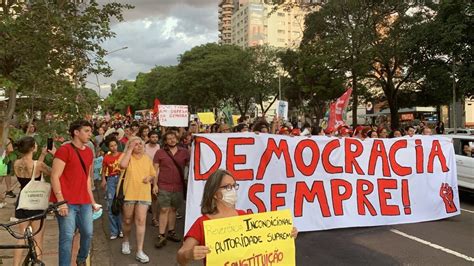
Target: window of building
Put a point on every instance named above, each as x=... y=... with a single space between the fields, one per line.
x=281 y=14
x=280 y=40
x=281 y=31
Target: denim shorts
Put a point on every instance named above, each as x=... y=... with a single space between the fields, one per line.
x=137 y=202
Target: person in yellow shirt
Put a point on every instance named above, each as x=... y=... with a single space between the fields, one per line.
x=137 y=180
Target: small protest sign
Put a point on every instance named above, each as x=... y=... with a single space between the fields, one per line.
x=282 y=110
x=207 y=118
x=257 y=239
x=173 y=115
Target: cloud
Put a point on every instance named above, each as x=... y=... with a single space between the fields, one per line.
x=158 y=8
x=158 y=37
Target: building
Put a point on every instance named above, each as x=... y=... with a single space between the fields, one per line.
x=226 y=8
x=255 y=23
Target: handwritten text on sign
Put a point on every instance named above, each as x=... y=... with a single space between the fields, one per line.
x=331 y=182
x=257 y=239
x=173 y=115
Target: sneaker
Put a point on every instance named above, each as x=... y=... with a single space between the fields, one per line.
x=2 y=204
x=10 y=194
x=160 y=241
x=173 y=236
x=142 y=257
x=112 y=237
x=126 y=248
x=121 y=234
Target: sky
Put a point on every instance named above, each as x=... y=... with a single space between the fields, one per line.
x=156 y=32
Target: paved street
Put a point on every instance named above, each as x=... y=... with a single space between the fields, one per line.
x=359 y=246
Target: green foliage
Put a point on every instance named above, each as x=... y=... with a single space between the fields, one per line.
x=206 y=77
x=123 y=94
x=48 y=48
x=337 y=39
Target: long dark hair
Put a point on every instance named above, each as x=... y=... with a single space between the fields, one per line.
x=209 y=203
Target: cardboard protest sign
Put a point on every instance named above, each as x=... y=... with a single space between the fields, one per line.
x=173 y=115
x=207 y=118
x=257 y=239
x=330 y=182
x=235 y=119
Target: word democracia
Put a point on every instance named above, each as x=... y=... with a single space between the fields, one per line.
x=352 y=151
x=382 y=156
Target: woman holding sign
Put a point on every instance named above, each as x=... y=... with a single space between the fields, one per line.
x=218 y=201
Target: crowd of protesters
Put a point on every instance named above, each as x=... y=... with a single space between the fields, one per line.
x=150 y=162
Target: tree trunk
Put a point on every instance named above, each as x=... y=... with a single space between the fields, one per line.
x=393 y=106
x=8 y=116
x=355 y=100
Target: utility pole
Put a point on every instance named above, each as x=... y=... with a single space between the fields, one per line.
x=454 y=95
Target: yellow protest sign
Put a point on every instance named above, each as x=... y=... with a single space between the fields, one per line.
x=207 y=118
x=235 y=118
x=256 y=239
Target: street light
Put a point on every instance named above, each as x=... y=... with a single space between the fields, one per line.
x=106 y=54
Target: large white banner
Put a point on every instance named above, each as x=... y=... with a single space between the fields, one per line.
x=173 y=115
x=330 y=182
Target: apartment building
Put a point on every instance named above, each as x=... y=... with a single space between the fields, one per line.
x=226 y=8
x=254 y=22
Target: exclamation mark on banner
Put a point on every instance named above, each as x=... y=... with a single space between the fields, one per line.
x=406 y=197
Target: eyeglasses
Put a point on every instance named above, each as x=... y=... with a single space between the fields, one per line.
x=230 y=186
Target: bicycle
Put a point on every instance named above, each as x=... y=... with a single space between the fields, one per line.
x=31 y=258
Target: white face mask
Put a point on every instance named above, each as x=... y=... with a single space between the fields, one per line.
x=229 y=196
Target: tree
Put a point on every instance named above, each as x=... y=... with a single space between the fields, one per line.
x=159 y=83
x=443 y=42
x=123 y=94
x=210 y=74
x=48 y=48
x=265 y=67
x=393 y=63
x=340 y=34
x=310 y=84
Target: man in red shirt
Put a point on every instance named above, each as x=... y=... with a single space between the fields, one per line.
x=71 y=181
x=169 y=163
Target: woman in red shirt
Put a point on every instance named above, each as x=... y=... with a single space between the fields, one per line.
x=110 y=178
x=218 y=201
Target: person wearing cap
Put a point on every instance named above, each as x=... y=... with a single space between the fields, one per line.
x=284 y=131
x=295 y=132
x=344 y=132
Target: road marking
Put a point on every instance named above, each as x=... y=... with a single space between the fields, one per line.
x=447 y=250
x=467 y=210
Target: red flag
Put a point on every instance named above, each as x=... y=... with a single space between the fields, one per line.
x=129 y=111
x=156 y=107
x=332 y=119
x=338 y=108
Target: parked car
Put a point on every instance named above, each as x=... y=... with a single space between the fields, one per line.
x=464 y=150
x=460 y=131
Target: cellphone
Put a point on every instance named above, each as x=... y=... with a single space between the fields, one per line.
x=49 y=144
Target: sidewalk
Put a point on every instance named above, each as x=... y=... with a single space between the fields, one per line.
x=51 y=235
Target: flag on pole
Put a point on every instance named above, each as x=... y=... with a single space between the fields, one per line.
x=156 y=105
x=337 y=110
